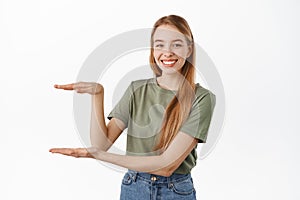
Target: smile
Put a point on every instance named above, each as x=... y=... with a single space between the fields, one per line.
x=169 y=63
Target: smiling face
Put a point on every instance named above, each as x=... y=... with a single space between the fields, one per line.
x=170 y=49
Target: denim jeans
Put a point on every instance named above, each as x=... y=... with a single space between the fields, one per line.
x=144 y=186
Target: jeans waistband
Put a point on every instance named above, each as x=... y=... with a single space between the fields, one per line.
x=159 y=179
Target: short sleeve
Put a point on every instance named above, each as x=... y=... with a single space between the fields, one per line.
x=198 y=122
x=122 y=108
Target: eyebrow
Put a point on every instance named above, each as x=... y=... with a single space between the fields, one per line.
x=177 y=40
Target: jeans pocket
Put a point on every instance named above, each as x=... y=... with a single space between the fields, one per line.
x=127 y=179
x=185 y=187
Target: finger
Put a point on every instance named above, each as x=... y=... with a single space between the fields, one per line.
x=88 y=88
x=81 y=87
x=65 y=151
x=74 y=152
x=55 y=150
x=65 y=87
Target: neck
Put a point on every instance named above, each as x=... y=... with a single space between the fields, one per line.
x=170 y=81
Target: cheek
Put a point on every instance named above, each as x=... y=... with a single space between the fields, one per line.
x=181 y=53
x=157 y=54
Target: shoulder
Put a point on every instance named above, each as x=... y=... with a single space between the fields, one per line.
x=141 y=83
x=203 y=93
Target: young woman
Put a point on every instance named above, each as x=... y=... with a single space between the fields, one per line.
x=166 y=118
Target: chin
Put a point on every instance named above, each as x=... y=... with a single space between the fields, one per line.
x=169 y=70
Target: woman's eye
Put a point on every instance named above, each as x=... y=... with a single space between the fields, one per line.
x=159 y=45
x=177 y=45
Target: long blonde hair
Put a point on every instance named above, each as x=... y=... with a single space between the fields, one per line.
x=178 y=109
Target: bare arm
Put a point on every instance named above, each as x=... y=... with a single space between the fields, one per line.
x=164 y=164
x=103 y=136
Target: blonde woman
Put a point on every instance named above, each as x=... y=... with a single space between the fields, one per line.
x=167 y=117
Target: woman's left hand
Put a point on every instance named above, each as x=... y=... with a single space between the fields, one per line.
x=76 y=152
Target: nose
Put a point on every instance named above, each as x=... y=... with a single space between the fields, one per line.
x=168 y=54
x=168 y=51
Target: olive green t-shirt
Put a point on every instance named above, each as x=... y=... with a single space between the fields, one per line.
x=141 y=108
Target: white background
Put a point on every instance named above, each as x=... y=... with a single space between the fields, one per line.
x=254 y=45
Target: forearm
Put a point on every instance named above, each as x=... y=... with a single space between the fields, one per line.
x=98 y=128
x=150 y=164
x=164 y=164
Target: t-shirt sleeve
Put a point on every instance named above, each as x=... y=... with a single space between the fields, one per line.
x=122 y=108
x=198 y=122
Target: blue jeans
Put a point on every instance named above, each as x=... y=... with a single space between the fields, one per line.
x=144 y=186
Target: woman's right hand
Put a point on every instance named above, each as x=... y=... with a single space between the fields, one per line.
x=83 y=87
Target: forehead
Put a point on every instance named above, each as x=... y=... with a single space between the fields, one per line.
x=167 y=33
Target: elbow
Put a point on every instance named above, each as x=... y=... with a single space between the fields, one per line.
x=165 y=173
x=168 y=173
x=167 y=167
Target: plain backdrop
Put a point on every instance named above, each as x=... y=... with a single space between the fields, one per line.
x=253 y=44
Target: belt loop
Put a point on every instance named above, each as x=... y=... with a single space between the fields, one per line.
x=134 y=175
x=169 y=182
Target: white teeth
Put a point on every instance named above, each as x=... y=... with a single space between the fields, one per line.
x=168 y=62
